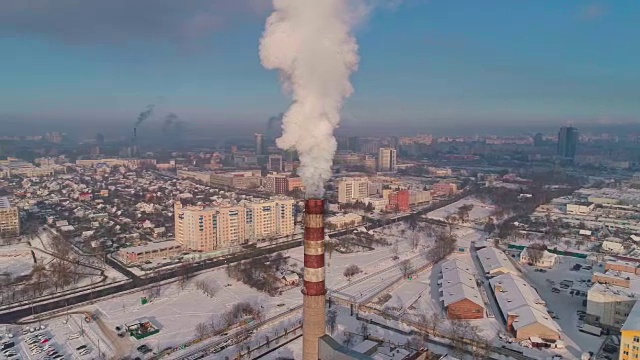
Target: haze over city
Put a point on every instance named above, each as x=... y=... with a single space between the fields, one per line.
x=319 y=180
x=425 y=64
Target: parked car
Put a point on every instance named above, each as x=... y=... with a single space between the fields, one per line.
x=555 y=290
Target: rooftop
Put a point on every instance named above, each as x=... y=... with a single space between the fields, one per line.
x=633 y=320
x=5 y=203
x=493 y=259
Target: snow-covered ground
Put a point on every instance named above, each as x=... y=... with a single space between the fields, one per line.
x=15 y=260
x=480 y=210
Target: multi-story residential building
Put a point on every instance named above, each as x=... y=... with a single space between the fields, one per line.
x=209 y=228
x=609 y=305
x=276 y=184
x=9 y=218
x=630 y=339
x=386 y=159
x=399 y=201
x=418 y=197
x=281 y=184
x=275 y=163
x=444 y=189
x=237 y=180
x=204 y=228
x=352 y=189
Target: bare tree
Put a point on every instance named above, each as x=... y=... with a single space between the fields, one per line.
x=579 y=244
x=332 y=316
x=463 y=212
x=451 y=221
x=415 y=239
x=348 y=339
x=329 y=247
x=535 y=252
x=202 y=330
x=351 y=270
x=490 y=225
x=406 y=268
x=434 y=322
x=364 y=330
x=395 y=250
x=206 y=288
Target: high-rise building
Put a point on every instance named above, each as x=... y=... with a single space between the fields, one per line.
x=567 y=142
x=259 y=144
x=276 y=184
x=9 y=218
x=538 y=140
x=352 y=189
x=386 y=160
x=275 y=163
x=209 y=228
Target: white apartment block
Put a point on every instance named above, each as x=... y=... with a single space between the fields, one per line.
x=352 y=189
x=9 y=218
x=609 y=305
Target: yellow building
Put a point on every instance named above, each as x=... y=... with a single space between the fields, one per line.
x=209 y=228
x=9 y=218
x=630 y=339
x=203 y=228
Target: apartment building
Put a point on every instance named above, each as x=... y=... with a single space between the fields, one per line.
x=387 y=159
x=352 y=189
x=269 y=218
x=276 y=184
x=9 y=218
x=203 y=228
x=209 y=228
x=237 y=180
x=630 y=339
x=609 y=305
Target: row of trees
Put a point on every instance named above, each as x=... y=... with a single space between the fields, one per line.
x=260 y=273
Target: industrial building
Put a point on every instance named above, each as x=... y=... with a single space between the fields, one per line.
x=460 y=294
x=151 y=251
x=9 y=218
x=522 y=309
x=495 y=262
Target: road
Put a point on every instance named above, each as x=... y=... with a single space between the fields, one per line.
x=13 y=315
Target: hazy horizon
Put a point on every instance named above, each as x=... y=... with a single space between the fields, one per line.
x=424 y=64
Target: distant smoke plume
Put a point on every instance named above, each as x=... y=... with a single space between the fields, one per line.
x=169 y=120
x=274 y=127
x=311 y=43
x=144 y=115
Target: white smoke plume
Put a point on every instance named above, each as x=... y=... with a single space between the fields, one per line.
x=311 y=43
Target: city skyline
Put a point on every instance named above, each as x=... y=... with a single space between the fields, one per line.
x=424 y=64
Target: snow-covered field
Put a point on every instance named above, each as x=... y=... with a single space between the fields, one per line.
x=480 y=210
x=15 y=260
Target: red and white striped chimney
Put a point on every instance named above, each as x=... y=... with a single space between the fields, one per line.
x=313 y=316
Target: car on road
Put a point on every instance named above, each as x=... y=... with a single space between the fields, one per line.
x=555 y=290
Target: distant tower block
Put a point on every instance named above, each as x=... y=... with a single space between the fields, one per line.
x=314 y=322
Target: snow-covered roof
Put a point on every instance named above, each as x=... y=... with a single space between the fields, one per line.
x=457 y=264
x=151 y=247
x=458 y=283
x=545 y=258
x=516 y=297
x=454 y=293
x=495 y=261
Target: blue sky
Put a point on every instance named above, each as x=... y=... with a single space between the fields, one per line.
x=423 y=63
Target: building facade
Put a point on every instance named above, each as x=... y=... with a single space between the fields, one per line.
x=387 y=159
x=399 y=201
x=9 y=218
x=352 y=189
x=630 y=338
x=567 y=142
x=210 y=228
